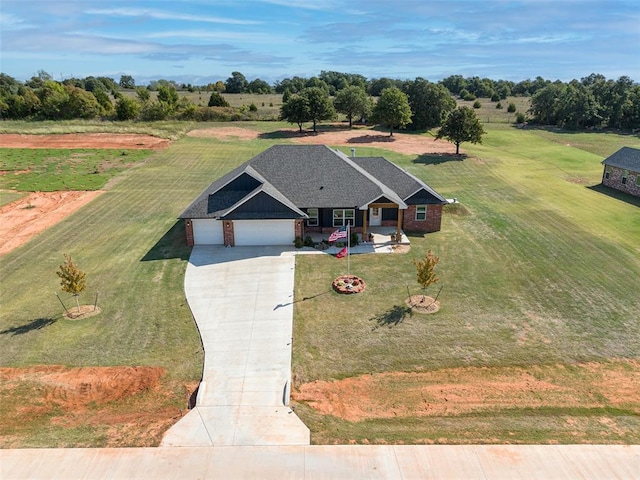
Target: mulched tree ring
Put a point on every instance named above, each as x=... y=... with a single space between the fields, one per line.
x=349 y=284
x=422 y=304
x=86 y=311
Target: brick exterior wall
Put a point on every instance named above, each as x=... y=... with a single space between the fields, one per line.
x=615 y=180
x=188 y=227
x=299 y=231
x=431 y=224
x=228 y=235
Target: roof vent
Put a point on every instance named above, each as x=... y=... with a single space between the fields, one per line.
x=321 y=187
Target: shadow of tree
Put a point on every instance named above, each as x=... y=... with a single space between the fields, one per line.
x=392 y=317
x=173 y=244
x=278 y=134
x=617 y=194
x=371 y=138
x=37 y=324
x=438 y=158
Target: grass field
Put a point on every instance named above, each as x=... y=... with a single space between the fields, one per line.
x=539 y=270
x=49 y=170
x=168 y=129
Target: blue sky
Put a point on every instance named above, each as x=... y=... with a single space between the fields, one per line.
x=199 y=41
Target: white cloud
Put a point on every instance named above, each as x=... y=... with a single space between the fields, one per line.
x=163 y=15
x=10 y=22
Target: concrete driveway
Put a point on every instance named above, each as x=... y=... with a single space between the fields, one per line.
x=242 y=302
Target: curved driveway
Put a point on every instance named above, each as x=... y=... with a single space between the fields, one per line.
x=242 y=301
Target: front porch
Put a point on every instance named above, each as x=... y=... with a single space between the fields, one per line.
x=382 y=241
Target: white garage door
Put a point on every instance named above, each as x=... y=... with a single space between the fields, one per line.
x=207 y=232
x=263 y=232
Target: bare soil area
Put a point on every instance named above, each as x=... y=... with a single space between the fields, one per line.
x=53 y=396
x=471 y=390
x=25 y=218
x=84 y=140
x=410 y=144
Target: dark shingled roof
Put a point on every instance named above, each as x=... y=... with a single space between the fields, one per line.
x=306 y=176
x=627 y=158
x=399 y=180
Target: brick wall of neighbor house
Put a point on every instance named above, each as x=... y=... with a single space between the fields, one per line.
x=227 y=231
x=188 y=226
x=431 y=224
x=615 y=180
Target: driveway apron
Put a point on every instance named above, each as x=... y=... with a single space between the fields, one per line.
x=242 y=302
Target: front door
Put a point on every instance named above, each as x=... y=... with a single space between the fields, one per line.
x=375 y=217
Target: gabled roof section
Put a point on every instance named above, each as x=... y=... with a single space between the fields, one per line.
x=305 y=176
x=627 y=158
x=263 y=203
x=400 y=181
x=318 y=176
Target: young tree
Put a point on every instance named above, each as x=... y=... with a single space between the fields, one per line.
x=353 y=101
x=217 y=100
x=392 y=109
x=72 y=279
x=462 y=125
x=425 y=270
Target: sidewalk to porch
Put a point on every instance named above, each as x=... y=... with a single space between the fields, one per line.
x=383 y=242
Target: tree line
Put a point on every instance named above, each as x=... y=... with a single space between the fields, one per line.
x=590 y=102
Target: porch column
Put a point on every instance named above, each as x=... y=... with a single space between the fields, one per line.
x=399 y=233
x=364 y=224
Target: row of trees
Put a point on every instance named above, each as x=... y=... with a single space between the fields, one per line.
x=593 y=101
x=424 y=106
x=394 y=108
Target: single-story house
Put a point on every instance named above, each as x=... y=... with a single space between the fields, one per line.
x=290 y=191
x=622 y=171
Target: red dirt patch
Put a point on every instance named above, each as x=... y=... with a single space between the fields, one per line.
x=84 y=140
x=410 y=144
x=129 y=403
x=470 y=390
x=25 y=218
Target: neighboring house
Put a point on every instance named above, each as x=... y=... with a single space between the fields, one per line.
x=622 y=171
x=290 y=191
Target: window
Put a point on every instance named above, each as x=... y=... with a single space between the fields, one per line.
x=637 y=179
x=343 y=216
x=625 y=174
x=421 y=212
x=607 y=173
x=313 y=217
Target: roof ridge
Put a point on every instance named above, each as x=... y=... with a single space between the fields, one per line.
x=386 y=190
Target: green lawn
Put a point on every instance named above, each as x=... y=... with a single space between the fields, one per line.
x=542 y=270
x=50 y=170
x=132 y=249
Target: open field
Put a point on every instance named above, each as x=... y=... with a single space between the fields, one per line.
x=538 y=271
x=53 y=169
x=538 y=310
